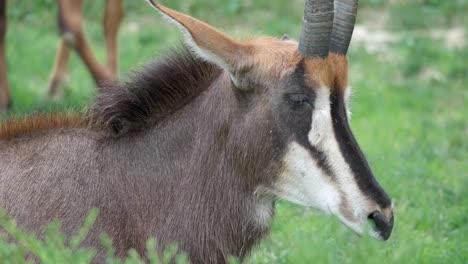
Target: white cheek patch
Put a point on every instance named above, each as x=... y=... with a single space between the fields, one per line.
x=303 y=182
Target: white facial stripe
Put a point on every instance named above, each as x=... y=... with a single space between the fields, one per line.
x=321 y=131
x=305 y=183
x=348 y=94
x=322 y=128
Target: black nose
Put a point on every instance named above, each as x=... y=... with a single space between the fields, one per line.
x=382 y=225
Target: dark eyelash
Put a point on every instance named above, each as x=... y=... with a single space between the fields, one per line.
x=298 y=98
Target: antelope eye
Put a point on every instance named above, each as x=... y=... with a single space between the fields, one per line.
x=298 y=99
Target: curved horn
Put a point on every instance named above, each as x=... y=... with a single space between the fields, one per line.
x=343 y=25
x=316 y=28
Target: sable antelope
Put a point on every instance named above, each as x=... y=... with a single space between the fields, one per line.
x=72 y=37
x=197 y=147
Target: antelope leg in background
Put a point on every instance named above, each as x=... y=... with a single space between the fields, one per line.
x=5 y=102
x=113 y=14
x=60 y=70
x=72 y=32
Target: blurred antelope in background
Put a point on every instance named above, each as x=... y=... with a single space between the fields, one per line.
x=72 y=37
x=197 y=147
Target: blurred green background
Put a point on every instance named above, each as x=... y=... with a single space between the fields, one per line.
x=409 y=70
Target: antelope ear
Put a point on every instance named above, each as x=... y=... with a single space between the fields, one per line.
x=209 y=43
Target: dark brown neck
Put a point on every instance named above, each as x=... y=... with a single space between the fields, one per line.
x=193 y=188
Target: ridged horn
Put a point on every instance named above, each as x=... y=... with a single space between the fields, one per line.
x=316 y=28
x=343 y=25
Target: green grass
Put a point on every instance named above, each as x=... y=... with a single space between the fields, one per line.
x=409 y=115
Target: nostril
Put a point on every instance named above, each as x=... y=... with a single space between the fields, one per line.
x=376 y=218
x=381 y=224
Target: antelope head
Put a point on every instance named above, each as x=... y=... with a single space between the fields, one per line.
x=295 y=96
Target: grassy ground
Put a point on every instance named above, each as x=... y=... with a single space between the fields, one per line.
x=409 y=113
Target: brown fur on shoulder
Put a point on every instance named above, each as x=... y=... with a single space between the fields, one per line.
x=21 y=126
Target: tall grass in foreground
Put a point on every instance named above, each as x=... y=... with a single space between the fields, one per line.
x=16 y=246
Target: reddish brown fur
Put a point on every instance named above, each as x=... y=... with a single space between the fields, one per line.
x=318 y=73
x=208 y=37
x=331 y=72
x=339 y=67
x=268 y=51
x=23 y=126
